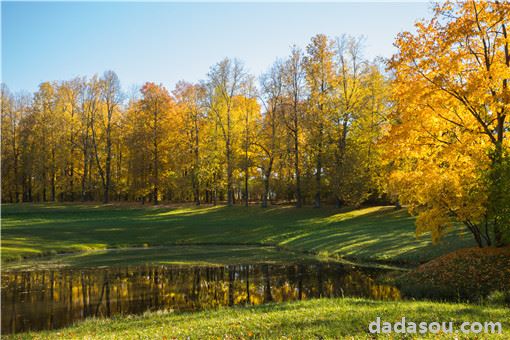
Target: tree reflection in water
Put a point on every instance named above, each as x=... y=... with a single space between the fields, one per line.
x=35 y=300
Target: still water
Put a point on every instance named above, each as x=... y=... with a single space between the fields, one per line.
x=36 y=300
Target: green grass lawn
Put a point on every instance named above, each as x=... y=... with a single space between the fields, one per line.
x=215 y=234
x=211 y=255
x=312 y=319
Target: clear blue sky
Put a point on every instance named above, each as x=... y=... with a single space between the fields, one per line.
x=167 y=42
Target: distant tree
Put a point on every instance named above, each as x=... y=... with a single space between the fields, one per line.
x=225 y=82
x=294 y=89
x=320 y=79
x=268 y=138
x=156 y=106
x=190 y=100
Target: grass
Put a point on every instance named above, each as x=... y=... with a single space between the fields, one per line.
x=313 y=319
x=211 y=255
x=375 y=234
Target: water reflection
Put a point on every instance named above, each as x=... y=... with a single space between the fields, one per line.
x=56 y=298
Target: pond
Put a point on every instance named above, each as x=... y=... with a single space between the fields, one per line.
x=49 y=299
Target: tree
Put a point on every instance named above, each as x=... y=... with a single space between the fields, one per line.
x=48 y=136
x=268 y=140
x=68 y=96
x=350 y=94
x=191 y=102
x=12 y=111
x=156 y=106
x=250 y=112
x=225 y=81
x=294 y=87
x=449 y=138
x=320 y=79
x=112 y=97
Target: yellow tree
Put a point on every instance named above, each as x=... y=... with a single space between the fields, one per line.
x=48 y=134
x=190 y=101
x=249 y=114
x=68 y=102
x=355 y=165
x=156 y=108
x=320 y=78
x=449 y=138
x=11 y=118
x=268 y=139
x=350 y=91
x=111 y=99
x=225 y=82
x=294 y=83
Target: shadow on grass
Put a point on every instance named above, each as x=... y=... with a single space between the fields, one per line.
x=375 y=233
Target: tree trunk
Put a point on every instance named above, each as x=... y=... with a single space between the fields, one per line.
x=106 y=197
x=53 y=175
x=318 y=173
x=196 y=180
x=230 y=193
x=299 y=201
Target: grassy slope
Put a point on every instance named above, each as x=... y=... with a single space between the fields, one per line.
x=325 y=318
x=370 y=234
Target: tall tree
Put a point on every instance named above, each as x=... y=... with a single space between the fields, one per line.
x=225 y=81
x=157 y=104
x=294 y=82
x=321 y=81
x=191 y=101
x=12 y=111
x=451 y=85
x=268 y=139
x=250 y=110
x=351 y=70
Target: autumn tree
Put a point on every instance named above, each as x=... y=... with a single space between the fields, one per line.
x=295 y=91
x=68 y=96
x=225 y=82
x=47 y=131
x=449 y=141
x=320 y=79
x=12 y=111
x=156 y=107
x=250 y=111
x=111 y=97
x=268 y=138
x=190 y=100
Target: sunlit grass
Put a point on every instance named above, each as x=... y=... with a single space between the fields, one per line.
x=206 y=255
x=312 y=319
x=376 y=234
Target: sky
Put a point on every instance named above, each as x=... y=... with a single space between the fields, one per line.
x=168 y=42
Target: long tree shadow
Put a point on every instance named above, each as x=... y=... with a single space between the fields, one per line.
x=372 y=233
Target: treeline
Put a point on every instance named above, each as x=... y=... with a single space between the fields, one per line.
x=306 y=131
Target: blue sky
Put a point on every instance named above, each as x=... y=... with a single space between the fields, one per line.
x=167 y=42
